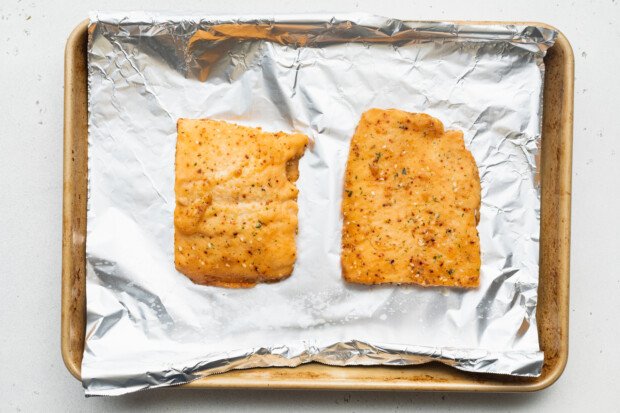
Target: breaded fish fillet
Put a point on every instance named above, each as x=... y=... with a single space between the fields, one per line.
x=236 y=203
x=410 y=204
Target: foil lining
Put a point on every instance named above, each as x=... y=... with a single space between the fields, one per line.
x=149 y=326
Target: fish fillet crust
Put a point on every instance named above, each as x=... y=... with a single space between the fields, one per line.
x=411 y=203
x=235 y=219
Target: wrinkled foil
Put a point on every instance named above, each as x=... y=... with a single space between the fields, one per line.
x=149 y=326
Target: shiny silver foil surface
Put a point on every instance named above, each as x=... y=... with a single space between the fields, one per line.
x=149 y=326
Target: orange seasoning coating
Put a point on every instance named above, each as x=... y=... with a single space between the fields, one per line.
x=236 y=203
x=410 y=204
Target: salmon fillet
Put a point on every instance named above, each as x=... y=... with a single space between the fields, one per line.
x=235 y=219
x=410 y=204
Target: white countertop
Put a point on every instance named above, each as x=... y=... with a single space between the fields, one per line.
x=32 y=40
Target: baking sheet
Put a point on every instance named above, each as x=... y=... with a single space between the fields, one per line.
x=149 y=326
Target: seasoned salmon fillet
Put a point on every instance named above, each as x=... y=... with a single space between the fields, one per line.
x=235 y=219
x=410 y=204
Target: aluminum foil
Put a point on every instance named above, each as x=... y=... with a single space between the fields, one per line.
x=150 y=326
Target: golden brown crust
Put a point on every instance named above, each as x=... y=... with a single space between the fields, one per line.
x=236 y=203
x=410 y=204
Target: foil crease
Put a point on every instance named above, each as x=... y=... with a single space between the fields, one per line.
x=149 y=326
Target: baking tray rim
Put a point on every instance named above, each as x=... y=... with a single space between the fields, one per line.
x=475 y=381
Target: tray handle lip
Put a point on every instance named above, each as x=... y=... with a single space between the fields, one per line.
x=565 y=174
x=75 y=37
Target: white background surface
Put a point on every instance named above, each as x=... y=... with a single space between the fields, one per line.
x=33 y=377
